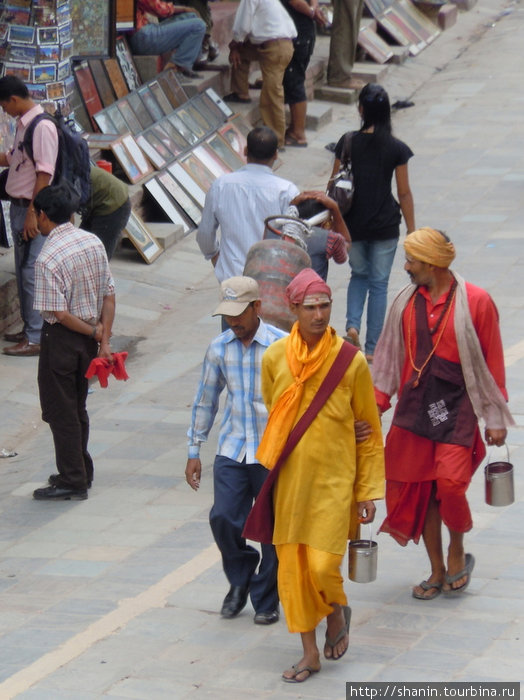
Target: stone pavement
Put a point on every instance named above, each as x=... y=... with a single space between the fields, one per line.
x=118 y=596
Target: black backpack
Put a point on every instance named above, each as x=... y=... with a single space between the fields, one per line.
x=73 y=163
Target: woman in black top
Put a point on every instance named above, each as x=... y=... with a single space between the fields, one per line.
x=375 y=214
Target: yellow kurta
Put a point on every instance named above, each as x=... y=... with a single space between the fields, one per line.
x=318 y=484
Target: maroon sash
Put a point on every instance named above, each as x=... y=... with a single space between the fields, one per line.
x=260 y=522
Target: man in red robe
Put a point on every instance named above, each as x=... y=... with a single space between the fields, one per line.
x=441 y=352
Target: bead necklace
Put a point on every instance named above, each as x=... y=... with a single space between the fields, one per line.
x=445 y=313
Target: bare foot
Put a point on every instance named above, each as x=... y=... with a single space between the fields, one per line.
x=336 y=642
x=302 y=670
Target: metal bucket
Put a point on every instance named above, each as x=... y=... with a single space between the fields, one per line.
x=362 y=560
x=498 y=477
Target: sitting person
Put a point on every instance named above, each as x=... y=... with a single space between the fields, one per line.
x=177 y=30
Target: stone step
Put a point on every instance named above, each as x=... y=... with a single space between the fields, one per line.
x=166 y=234
x=332 y=94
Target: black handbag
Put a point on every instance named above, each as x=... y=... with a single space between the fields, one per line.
x=341 y=187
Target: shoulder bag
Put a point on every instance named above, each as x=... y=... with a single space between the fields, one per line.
x=341 y=187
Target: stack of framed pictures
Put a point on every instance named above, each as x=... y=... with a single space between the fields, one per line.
x=378 y=49
x=404 y=23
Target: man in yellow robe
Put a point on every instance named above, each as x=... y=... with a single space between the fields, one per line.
x=329 y=481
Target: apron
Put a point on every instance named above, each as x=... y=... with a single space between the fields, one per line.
x=437 y=407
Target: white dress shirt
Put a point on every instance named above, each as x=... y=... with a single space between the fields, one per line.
x=239 y=202
x=262 y=20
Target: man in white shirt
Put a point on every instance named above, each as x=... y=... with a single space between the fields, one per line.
x=239 y=202
x=263 y=31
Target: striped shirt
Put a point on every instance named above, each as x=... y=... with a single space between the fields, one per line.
x=72 y=274
x=229 y=362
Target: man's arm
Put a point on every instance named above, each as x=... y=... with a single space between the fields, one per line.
x=206 y=235
x=107 y=317
x=30 y=224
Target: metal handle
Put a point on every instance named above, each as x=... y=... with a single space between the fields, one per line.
x=282 y=217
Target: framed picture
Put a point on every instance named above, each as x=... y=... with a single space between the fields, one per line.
x=379 y=50
x=198 y=171
x=37 y=92
x=235 y=138
x=116 y=77
x=25 y=53
x=212 y=162
x=11 y=14
x=150 y=151
x=87 y=88
x=180 y=196
x=43 y=72
x=21 y=70
x=150 y=103
x=227 y=111
x=142 y=238
x=140 y=110
x=125 y=15
x=188 y=183
x=21 y=34
x=105 y=123
x=126 y=63
x=55 y=91
x=130 y=168
x=137 y=155
x=102 y=82
x=65 y=32
x=170 y=85
x=44 y=16
x=47 y=35
x=101 y=141
x=194 y=126
x=182 y=129
x=166 y=204
x=49 y=52
x=63 y=70
x=175 y=136
x=159 y=140
x=66 y=50
x=171 y=146
x=132 y=122
x=160 y=97
x=213 y=118
x=221 y=148
x=116 y=117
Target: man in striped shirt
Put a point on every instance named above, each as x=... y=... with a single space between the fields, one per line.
x=74 y=291
x=234 y=359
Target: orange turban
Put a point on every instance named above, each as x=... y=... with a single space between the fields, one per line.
x=430 y=246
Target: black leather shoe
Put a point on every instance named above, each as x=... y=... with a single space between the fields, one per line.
x=234 y=601
x=267 y=618
x=57 y=493
x=54 y=480
x=14 y=337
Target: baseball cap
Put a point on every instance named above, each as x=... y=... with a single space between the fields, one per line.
x=236 y=294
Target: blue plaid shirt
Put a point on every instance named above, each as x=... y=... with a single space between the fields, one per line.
x=229 y=363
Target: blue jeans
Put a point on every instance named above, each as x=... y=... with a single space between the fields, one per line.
x=371 y=263
x=182 y=34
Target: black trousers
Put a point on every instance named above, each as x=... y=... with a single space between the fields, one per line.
x=64 y=359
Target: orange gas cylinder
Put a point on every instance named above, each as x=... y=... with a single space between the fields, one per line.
x=274 y=263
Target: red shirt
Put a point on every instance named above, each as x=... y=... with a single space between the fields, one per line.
x=158 y=8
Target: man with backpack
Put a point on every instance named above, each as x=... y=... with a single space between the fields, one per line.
x=26 y=177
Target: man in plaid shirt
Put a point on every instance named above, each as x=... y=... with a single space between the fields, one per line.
x=74 y=291
x=234 y=359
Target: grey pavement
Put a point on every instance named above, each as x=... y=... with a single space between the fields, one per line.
x=118 y=596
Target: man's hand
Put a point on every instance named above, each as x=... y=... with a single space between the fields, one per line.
x=214 y=259
x=234 y=57
x=104 y=351
x=30 y=225
x=495 y=437
x=362 y=430
x=366 y=511
x=193 y=472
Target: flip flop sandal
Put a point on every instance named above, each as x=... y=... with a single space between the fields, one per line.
x=298 y=671
x=292 y=141
x=466 y=571
x=332 y=643
x=427 y=586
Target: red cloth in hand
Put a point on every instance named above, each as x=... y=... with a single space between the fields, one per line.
x=102 y=368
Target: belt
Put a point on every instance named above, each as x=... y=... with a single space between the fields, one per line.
x=20 y=201
x=264 y=44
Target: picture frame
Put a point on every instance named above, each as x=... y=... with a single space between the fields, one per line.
x=184 y=201
x=166 y=203
x=102 y=82
x=188 y=183
x=15 y=15
x=63 y=70
x=126 y=162
x=37 y=91
x=116 y=117
x=174 y=91
x=211 y=161
x=130 y=118
x=235 y=138
x=49 y=52
x=87 y=88
x=47 y=35
x=378 y=49
x=156 y=159
x=182 y=128
x=25 y=53
x=240 y=124
x=116 y=77
x=140 y=110
x=227 y=111
x=125 y=15
x=198 y=171
x=212 y=118
x=21 y=34
x=44 y=73
x=44 y=15
x=222 y=149
x=126 y=63
x=160 y=96
x=65 y=32
x=137 y=155
x=161 y=142
x=55 y=91
x=175 y=136
x=142 y=238
x=66 y=50
x=191 y=123
x=101 y=141
x=150 y=103
x=105 y=123
x=24 y=71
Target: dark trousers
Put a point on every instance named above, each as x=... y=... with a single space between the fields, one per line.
x=236 y=485
x=64 y=359
x=108 y=227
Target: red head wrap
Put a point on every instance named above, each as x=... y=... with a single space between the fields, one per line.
x=306 y=284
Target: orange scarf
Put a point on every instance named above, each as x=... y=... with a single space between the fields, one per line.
x=303 y=365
